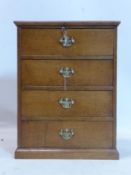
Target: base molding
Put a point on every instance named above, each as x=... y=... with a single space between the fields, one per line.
x=110 y=154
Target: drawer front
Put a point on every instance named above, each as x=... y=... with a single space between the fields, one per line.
x=66 y=134
x=51 y=72
x=46 y=42
x=40 y=104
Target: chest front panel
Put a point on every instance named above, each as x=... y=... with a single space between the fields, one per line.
x=67 y=90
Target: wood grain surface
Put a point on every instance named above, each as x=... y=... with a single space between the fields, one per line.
x=47 y=72
x=86 y=103
x=46 y=134
x=46 y=42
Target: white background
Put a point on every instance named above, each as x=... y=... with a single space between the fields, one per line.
x=63 y=10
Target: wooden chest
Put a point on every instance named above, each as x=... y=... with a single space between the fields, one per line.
x=67 y=90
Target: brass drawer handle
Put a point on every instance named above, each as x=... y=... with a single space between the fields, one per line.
x=66 y=102
x=67 y=72
x=66 y=40
x=66 y=133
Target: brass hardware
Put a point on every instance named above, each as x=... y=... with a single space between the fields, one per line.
x=66 y=133
x=67 y=72
x=66 y=40
x=66 y=102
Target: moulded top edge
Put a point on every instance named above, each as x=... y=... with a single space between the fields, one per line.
x=66 y=23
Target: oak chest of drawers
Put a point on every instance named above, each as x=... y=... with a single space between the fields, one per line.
x=67 y=90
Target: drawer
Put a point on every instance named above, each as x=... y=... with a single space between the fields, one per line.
x=85 y=72
x=46 y=42
x=67 y=134
x=40 y=104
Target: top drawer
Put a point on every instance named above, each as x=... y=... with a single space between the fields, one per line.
x=47 y=42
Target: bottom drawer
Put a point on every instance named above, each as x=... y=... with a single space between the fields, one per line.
x=66 y=134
